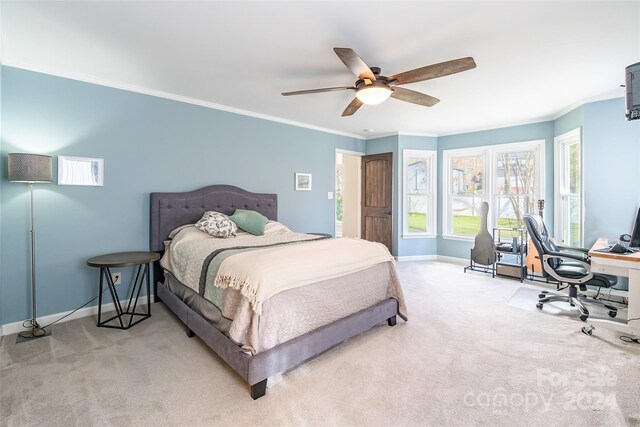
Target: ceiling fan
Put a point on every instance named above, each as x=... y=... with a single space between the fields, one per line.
x=372 y=88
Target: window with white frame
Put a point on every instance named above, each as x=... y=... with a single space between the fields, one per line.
x=510 y=177
x=515 y=191
x=568 y=188
x=466 y=173
x=419 y=193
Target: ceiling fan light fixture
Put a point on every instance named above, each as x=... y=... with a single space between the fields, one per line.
x=373 y=95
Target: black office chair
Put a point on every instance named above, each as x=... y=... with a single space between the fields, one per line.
x=571 y=266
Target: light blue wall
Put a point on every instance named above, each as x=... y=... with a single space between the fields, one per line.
x=153 y=144
x=149 y=144
x=412 y=246
x=395 y=144
x=530 y=132
x=2 y=172
x=573 y=119
x=611 y=147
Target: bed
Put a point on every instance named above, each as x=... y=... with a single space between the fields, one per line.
x=255 y=361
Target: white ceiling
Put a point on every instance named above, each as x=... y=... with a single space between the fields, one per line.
x=534 y=59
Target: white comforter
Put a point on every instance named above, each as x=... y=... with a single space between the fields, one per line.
x=261 y=274
x=286 y=303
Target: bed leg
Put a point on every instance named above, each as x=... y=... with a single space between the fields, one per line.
x=190 y=333
x=258 y=390
x=392 y=321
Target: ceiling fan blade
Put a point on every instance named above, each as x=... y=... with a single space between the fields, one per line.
x=354 y=63
x=352 y=107
x=326 y=89
x=414 y=97
x=435 y=71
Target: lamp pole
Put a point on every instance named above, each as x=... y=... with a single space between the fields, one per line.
x=35 y=327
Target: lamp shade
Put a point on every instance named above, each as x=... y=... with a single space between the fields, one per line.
x=27 y=167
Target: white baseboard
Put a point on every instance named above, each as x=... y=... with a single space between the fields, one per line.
x=15 y=327
x=417 y=258
x=454 y=260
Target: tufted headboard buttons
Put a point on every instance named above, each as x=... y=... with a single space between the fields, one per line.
x=171 y=210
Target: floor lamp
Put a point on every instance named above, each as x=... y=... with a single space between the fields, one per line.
x=32 y=169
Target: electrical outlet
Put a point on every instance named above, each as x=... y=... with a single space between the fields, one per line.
x=116 y=277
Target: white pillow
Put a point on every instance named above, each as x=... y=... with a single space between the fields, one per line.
x=275 y=227
x=217 y=224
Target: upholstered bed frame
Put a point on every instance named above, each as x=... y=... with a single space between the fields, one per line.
x=170 y=210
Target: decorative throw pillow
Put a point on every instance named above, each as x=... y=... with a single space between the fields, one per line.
x=217 y=224
x=250 y=221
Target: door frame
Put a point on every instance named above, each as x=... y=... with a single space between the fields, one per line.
x=335 y=172
x=391 y=157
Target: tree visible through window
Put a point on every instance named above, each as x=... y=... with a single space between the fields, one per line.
x=515 y=186
x=419 y=192
x=507 y=176
x=467 y=184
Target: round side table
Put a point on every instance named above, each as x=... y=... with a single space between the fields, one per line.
x=124 y=259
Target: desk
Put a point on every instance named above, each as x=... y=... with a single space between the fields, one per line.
x=619 y=265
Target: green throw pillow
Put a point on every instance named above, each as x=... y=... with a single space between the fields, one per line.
x=250 y=221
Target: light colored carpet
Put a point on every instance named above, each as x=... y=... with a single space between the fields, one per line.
x=526 y=298
x=464 y=358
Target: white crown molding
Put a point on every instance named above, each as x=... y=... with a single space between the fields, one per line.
x=429 y=135
x=387 y=134
x=553 y=117
x=381 y=135
x=513 y=124
x=174 y=97
x=207 y=104
x=567 y=109
x=573 y=106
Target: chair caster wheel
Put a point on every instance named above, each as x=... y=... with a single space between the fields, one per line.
x=588 y=330
x=541 y=295
x=583 y=317
x=613 y=313
x=610 y=307
x=539 y=306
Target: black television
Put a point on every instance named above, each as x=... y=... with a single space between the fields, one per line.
x=635 y=236
x=633 y=91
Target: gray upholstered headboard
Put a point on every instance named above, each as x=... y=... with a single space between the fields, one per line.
x=171 y=210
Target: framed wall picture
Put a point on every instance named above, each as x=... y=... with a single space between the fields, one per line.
x=303 y=181
x=80 y=171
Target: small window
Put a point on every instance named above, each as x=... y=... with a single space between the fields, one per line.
x=419 y=193
x=467 y=173
x=568 y=188
x=515 y=186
